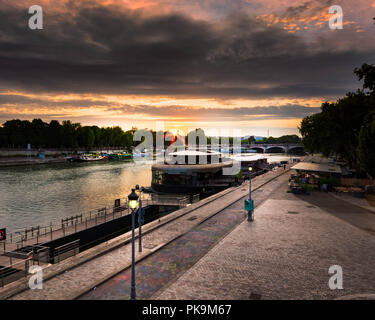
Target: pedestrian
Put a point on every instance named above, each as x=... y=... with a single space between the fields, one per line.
x=284 y=166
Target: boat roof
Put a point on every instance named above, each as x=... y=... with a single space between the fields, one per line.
x=183 y=168
x=318 y=167
x=193 y=153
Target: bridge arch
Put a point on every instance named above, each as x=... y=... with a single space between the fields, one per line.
x=258 y=149
x=296 y=149
x=275 y=149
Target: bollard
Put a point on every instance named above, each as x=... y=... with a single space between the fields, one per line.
x=26 y=267
x=86 y=222
x=51 y=231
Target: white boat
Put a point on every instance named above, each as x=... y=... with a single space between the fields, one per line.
x=89 y=158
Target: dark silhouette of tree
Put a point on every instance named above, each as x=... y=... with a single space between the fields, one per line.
x=17 y=134
x=283 y=139
x=345 y=127
x=366 y=147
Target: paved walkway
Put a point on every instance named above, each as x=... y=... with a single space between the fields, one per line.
x=360 y=202
x=75 y=281
x=285 y=254
x=164 y=266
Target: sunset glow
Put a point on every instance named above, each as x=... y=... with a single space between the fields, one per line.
x=186 y=63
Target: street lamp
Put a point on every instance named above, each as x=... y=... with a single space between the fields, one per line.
x=133 y=203
x=140 y=217
x=249 y=204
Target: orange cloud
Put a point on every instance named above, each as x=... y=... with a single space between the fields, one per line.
x=303 y=21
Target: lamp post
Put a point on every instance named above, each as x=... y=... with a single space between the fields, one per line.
x=249 y=204
x=140 y=217
x=133 y=203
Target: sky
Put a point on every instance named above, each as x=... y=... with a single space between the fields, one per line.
x=258 y=66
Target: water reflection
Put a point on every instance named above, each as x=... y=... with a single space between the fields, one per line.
x=38 y=195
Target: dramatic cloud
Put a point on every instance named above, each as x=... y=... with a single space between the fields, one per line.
x=114 y=50
x=228 y=113
x=183 y=49
x=223 y=114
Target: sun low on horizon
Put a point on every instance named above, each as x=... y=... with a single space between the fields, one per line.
x=256 y=66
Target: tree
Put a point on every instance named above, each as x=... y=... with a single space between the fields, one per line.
x=39 y=133
x=283 y=139
x=343 y=127
x=54 y=134
x=69 y=132
x=367 y=73
x=366 y=147
x=86 y=137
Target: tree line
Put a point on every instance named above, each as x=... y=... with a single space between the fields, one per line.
x=346 y=127
x=292 y=138
x=19 y=133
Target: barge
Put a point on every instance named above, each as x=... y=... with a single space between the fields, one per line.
x=199 y=172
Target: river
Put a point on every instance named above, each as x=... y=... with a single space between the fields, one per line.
x=40 y=194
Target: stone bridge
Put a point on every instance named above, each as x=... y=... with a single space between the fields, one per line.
x=278 y=147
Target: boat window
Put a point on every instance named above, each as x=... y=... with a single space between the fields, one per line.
x=157 y=177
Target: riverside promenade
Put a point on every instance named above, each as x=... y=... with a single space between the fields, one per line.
x=77 y=275
x=209 y=251
x=286 y=254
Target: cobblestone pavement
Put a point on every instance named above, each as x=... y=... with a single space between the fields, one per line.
x=71 y=283
x=159 y=269
x=360 y=202
x=356 y=215
x=285 y=254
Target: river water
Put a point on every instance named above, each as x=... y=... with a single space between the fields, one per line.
x=40 y=194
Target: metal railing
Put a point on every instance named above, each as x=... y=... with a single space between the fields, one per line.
x=180 y=201
x=65 y=251
x=195 y=198
x=29 y=238
x=35 y=235
x=38 y=234
x=15 y=271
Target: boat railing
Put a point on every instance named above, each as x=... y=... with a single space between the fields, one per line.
x=35 y=235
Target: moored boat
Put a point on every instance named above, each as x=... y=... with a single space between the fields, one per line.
x=89 y=158
x=119 y=156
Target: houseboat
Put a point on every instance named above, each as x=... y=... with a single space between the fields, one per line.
x=192 y=172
